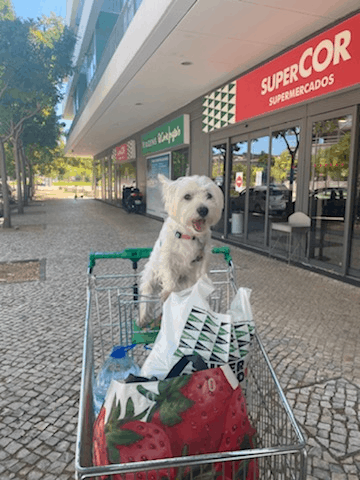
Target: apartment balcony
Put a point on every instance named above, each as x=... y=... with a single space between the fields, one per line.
x=113 y=19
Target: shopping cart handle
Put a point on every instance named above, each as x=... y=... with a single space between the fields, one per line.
x=225 y=251
x=133 y=254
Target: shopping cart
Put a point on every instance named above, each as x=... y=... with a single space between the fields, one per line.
x=112 y=307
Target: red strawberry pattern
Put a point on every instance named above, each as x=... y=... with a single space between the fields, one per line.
x=130 y=440
x=100 y=456
x=238 y=435
x=192 y=410
x=151 y=443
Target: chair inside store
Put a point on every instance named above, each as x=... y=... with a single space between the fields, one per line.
x=290 y=237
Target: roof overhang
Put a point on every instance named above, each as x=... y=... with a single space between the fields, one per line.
x=181 y=50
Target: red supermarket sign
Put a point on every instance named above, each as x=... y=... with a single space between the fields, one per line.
x=121 y=153
x=326 y=63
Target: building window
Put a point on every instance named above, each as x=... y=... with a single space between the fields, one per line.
x=91 y=60
x=180 y=163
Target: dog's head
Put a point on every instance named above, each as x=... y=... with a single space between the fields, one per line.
x=194 y=202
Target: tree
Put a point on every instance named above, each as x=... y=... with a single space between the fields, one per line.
x=294 y=131
x=13 y=52
x=280 y=166
x=333 y=161
x=40 y=134
x=6 y=10
x=34 y=57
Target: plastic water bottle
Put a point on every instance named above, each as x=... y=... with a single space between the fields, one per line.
x=118 y=366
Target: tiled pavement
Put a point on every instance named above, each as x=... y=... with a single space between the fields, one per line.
x=308 y=323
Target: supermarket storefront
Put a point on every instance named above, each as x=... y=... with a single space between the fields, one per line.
x=285 y=138
x=282 y=138
x=113 y=171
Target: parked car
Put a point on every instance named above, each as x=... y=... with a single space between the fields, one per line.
x=279 y=195
x=328 y=202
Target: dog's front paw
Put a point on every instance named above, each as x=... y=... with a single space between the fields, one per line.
x=145 y=316
x=164 y=296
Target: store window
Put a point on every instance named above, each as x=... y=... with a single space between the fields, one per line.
x=328 y=188
x=127 y=175
x=98 y=180
x=283 y=171
x=180 y=163
x=355 y=226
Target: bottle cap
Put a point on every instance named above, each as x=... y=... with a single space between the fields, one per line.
x=120 y=352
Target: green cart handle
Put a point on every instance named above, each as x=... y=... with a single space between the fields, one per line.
x=224 y=251
x=133 y=254
x=136 y=254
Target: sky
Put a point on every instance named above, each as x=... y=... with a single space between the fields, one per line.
x=35 y=8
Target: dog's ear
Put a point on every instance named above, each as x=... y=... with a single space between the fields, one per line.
x=164 y=180
x=165 y=185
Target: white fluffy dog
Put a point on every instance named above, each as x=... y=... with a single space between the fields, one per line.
x=181 y=253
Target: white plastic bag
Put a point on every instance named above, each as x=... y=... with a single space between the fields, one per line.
x=190 y=326
x=240 y=308
x=176 y=311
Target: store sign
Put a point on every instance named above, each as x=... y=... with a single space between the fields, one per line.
x=121 y=153
x=124 y=152
x=327 y=63
x=168 y=135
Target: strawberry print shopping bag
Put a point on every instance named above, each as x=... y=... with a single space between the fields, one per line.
x=185 y=415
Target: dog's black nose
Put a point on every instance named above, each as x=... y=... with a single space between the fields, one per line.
x=203 y=211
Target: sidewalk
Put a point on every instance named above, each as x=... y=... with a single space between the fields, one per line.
x=309 y=325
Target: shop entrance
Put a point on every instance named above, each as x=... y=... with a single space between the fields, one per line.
x=329 y=193
x=263 y=183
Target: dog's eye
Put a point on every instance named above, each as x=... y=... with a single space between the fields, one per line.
x=209 y=196
x=187 y=196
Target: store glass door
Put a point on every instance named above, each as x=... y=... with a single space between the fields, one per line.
x=262 y=186
x=258 y=190
x=285 y=144
x=218 y=166
x=328 y=189
x=238 y=189
x=354 y=265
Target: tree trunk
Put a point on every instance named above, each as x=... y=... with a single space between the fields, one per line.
x=23 y=172
x=5 y=191
x=18 y=177
x=31 y=174
x=31 y=178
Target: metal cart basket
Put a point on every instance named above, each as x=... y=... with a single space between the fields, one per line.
x=112 y=300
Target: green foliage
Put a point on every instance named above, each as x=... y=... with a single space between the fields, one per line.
x=34 y=57
x=280 y=167
x=69 y=183
x=333 y=161
x=6 y=10
x=180 y=164
x=52 y=163
x=10 y=165
x=42 y=130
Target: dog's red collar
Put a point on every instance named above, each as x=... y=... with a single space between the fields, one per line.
x=184 y=236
